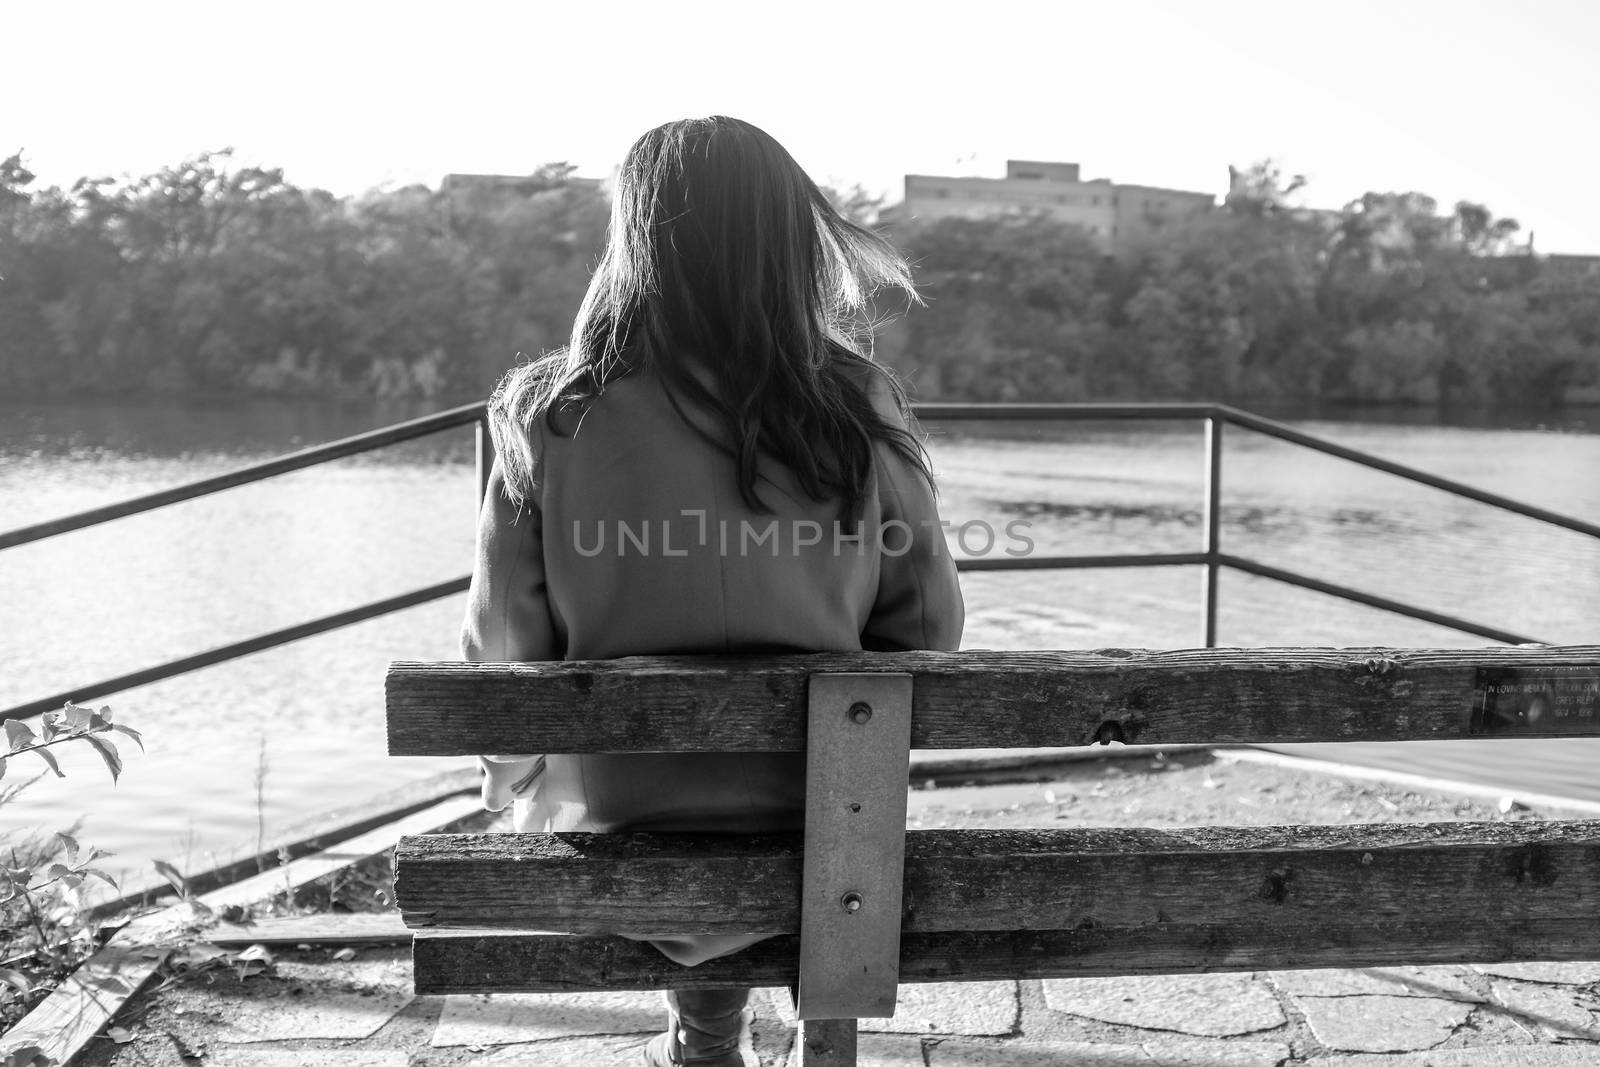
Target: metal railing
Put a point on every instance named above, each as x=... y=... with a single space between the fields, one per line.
x=1211 y=556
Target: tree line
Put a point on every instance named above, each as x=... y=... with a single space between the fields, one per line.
x=206 y=279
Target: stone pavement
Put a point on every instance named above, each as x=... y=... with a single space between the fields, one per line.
x=310 y=1009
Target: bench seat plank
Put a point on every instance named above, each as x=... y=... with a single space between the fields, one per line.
x=974 y=699
x=496 y=962
x=1240 y=881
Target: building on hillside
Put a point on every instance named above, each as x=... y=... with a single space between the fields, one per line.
x=1114 y=215
x=1569 y=270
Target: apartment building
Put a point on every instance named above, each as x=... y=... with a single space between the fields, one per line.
x=1114 y=215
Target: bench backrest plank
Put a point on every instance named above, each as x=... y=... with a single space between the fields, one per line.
x=978 y=699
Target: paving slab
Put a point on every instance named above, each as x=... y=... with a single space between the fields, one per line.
x=972 y=1008
x=1216 y=1054
x=337 y=1057
x=1561 y=1011
x=1382 y=1023
x=611 y=1051
x=1496 y=1056
x=317 y=1014
x=769 y=1046
x=1555 y=973
x=518 y=1018
x=1208 y=1005
x=957 y=1052
x=1444 y=982
x=877 y=1050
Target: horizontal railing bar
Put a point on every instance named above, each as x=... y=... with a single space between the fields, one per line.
x=468 y=413
x=308 y=629
x=1317 y=444
x=1034 y=563
x=260 y=643
x=1190 y=559
x=1268 y=427
x=1344 y=592
x=308 y=457
x=935 y=411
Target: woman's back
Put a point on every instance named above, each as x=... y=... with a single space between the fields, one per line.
x=648 y=547
x=634 y=540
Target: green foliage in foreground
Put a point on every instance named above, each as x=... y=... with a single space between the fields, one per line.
x=45 y=929
x=204 y=279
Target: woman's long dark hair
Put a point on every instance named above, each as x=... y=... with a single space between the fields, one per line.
x=721 y=252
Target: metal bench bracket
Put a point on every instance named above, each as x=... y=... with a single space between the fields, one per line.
x=858 y=753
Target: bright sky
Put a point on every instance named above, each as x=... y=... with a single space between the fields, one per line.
x=1496 y=101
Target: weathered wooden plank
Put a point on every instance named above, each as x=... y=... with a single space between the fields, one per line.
x=850 y=886
x=1013 y=879
x=601 y=882
x=981 y=699
x=355 y=928
x=553 y=963
x=61 y=1025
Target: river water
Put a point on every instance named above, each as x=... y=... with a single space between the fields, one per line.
x=240 y=750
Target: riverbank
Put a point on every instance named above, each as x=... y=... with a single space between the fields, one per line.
x=331 y=1002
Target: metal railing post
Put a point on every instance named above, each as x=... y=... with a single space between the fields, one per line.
x=485 y=453
x=1213 y=525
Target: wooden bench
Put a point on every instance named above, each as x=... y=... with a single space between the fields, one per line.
x=859 y=904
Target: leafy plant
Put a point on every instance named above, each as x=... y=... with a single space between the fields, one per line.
x=71 y=723
x=45 y=930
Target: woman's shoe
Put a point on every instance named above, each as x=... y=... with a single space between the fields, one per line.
x=703 y=1030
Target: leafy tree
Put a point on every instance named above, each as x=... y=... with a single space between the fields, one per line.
x=1012 y=309
x=857 y=203
x=530 y=260
x=1260 y=190
x=1480 y=233
x=207 y=277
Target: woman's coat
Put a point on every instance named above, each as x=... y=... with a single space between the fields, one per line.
x=634 y=540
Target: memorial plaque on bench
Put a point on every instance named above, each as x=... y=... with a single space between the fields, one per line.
x=1536 y=701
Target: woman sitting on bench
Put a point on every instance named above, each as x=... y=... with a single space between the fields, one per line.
x=711 y=466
